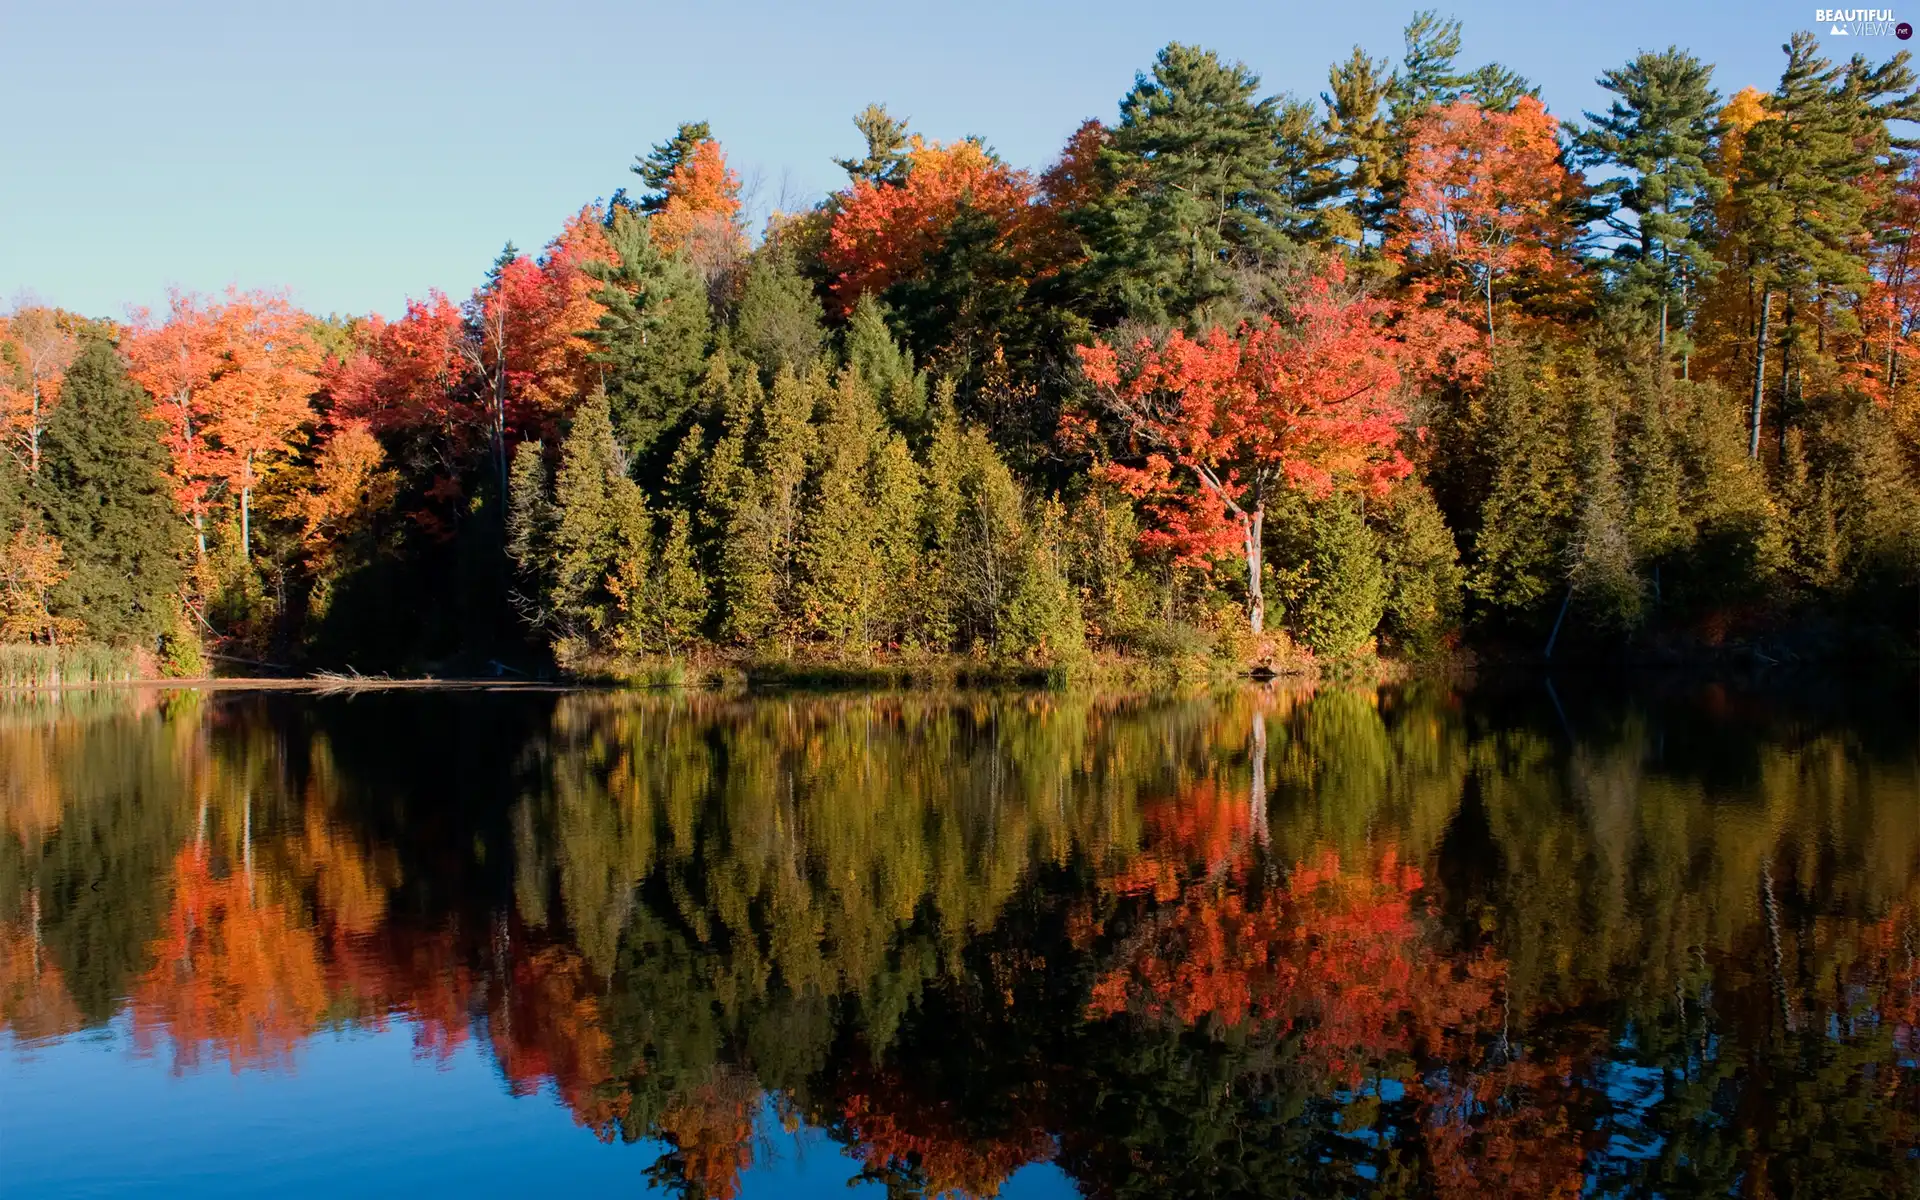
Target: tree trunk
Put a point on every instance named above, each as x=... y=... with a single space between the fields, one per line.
x=246 y=523
x=200 y=533
x=1256 y=597
x=1759 y=374
x=1786 y=385
x=1257 y=796
x=1489 y=310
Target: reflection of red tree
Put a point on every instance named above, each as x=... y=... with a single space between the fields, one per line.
x=231 y=976
x=34 y=1002
x=893 y=1125
x=1203 y=827
x=1328 y=944
x=711 y=1127
x=1341 y=955
x=545 y=1025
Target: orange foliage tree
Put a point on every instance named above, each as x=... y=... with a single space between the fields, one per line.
x=37 y=345
x=175 y=361
x=527 y=342
x=233 y=383
x=1227 y=419
x=700 y=214
x=886 y=232
x=261 y=393
x=29 y=569
x=1486 y=197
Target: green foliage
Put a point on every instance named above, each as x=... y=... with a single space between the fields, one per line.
x=1602 y=574
x=102 y=490
x=886 y=367
x=1347 y=585
x=1423 y=579
x=1655 y=139
x=1196 y=196
x=885 y=160
x=657 y=168
x=652 y=339
x=777 y=322
x=1518 y=558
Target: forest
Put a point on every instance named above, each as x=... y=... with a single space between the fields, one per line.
x=1410 y=367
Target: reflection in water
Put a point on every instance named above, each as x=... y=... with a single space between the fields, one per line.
x=1410 y=942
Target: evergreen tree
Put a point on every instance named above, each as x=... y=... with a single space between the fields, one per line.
x=1359 y=146
x=893 y=504
x=1196 y=197
x=1347 y=585
x=1497 y=89
x=838 y=559
x=600 y=524
x=886 y=368
x=102 y=490
x=1428 y=76
x=1802 y=191
x=1655 y=138
x=1101 y=533
x=885 y=160
x=657 y=168
x=530 y=534
x=1519 y=536
x=662 y=600
x=652 y=338
x=1659 y=531
x=1044 y=623
x=777 y=321
x=1422 y=603
x=1602 y=573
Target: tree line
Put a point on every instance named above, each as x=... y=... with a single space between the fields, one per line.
x=1239 y=377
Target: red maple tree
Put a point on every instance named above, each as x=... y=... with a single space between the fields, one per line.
x=1222 y=421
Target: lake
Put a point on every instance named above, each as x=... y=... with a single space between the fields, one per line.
x=1538 y=939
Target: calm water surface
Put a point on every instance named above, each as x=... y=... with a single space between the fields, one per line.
x=1407 y=942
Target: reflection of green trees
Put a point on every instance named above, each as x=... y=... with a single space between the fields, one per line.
x=97 y=797
x=1673 y=937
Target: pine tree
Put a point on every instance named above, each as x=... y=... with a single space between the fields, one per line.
x=1359 y=147
x=1601 y=569
x=1655 y=138
x=886 y=367
x=1422 y=603
x=894 y=503
x=600 y=524
x=1658 y=525
x=754 y=489
x=1044 y=624
x=1196 y=197
x=1101 y=534
x=530 y=534
x=1517 y=555
x=778 y=320
x=1347 y=584
x=838 y=560
x=1802 y=192
x=652 y=338
x=657 y=168
x=102 y=490
x=886 y=159
x=987 y=557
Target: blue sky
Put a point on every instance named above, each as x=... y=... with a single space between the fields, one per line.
x=357 y=153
